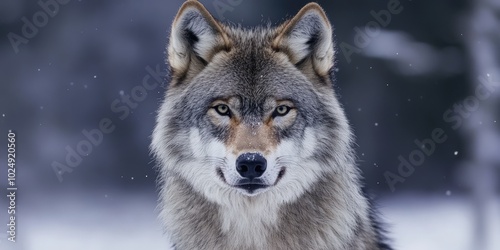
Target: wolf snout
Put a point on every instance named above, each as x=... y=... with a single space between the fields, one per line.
x=251 y=165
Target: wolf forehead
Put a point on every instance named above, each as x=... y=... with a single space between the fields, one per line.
x=251 y=86
x=251 y=67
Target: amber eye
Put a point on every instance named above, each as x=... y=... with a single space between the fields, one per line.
x=281 y=111
x=222 y=110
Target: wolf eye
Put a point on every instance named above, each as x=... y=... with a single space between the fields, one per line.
x=281 y=111
x=222 y=110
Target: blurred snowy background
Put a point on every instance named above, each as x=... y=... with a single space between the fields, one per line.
x=406 y=71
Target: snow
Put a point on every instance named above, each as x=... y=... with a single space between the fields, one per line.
x=88 y=222
x=437 y=223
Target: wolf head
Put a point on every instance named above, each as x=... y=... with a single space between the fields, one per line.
x=251 y=112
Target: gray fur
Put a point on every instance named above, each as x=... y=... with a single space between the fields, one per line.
x=319 y=203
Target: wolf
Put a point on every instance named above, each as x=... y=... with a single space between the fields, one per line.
x=254 y=150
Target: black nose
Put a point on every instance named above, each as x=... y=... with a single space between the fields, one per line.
x=251 y=165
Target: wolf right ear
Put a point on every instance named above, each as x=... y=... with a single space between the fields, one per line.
x=195 y=38
x=308 y=35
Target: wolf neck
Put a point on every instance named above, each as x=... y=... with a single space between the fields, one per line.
x=262 y=223
x=249 y=220
x=326 y=214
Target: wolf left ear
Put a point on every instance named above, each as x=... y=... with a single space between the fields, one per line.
x=195 y=38
x=308 y=35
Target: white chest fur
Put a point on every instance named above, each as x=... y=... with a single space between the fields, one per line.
x=247 y=222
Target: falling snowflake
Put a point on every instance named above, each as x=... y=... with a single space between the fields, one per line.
x=448 y=193
x=455 y=153
x=376 y=124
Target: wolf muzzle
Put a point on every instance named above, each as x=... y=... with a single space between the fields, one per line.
x=251 y=166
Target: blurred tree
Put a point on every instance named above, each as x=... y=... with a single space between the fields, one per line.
x=481 y=130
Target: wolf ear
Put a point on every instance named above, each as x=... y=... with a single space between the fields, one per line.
x=195 y=38
x=308 y=35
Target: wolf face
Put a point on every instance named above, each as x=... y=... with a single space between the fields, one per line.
x=248 y=111
x=253 y=146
